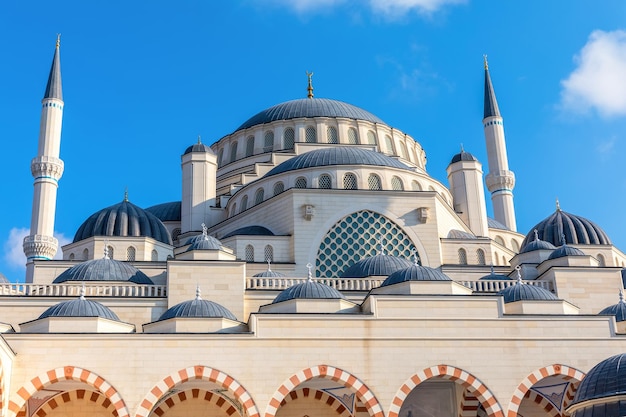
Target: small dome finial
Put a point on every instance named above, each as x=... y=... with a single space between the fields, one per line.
x=462 y=150
x=204 y=230
x=563 y=241
x=381 y=246
x=310 y=86
x=199 y=140
x=309 y=266
x=415 y=260
x=536 y=232
x=106 y=249
x=82 y=292
x=621 y=295
x=198 y=292
x=485 y=62
x=558 y=205
x=126 y=195
x=58 y=40
x=492 y=270
x=269 y=261
x=519 y=274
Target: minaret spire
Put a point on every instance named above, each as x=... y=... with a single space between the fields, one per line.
x=47 y=169
x=500 y=181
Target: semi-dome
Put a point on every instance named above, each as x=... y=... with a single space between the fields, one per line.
x=605 y=380
x=123 y=219
x=337 y=155
x=308 y=290
x=80 y=307
x=250 y=231
x=309 y=107
x=415 y=273
x=377 y=265
x=577 y=230
x=166 y=212
x=198 y=309
x=566 y=250
x=463 y=156
x=537 y=244
x=103 y=269
x=525 y=292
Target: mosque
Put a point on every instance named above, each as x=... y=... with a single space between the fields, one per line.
x=313 y=268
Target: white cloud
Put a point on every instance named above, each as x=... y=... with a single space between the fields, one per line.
x=598 y=82
x=13 y=252
x=395 y=8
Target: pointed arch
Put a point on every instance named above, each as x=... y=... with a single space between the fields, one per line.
x=328 y=372
x=467 y=380
x=69 y=373
x=536 y=376
x=203 y=373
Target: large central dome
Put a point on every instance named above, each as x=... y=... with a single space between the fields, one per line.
x=309 y=107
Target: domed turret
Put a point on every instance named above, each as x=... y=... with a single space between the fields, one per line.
x=104 y=269
x=415 y=272
x=123 y=219
x=268 y=273
x=537 y=244
x=377 y=265
x=463 y=156
x=618 y=310
x=525 y=292
x=197 y=308
x=564 y=251
x=203 y=241
x=80 y=307
x=495 y=277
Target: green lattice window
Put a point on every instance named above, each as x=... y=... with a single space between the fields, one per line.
x=357 y=236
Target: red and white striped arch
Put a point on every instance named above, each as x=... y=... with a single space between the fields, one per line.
x=211 y=398
x=321 y=396
x=467 y=380
x=74 y=396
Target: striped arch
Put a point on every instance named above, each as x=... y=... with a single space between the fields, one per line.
x=64 y=374
x=210 y=397
x=203 y=373
x=77 y=395
x=538 y=375
x=568 y=399
x=467 y=380
x=318 y=395
x=469 y=405
x=328 y=372
x=542 y=402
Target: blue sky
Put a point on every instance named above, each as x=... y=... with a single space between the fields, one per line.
x=141 y=80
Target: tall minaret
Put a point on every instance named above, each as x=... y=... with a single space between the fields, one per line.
x=500 y=181
x=47 y=169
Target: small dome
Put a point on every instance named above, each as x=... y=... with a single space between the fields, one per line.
x=309 y=107
x=577 y=230
x=103 y=269
x=268 y=273
x=198 y=308
x=618 y=310
x=203 y=242
x=495 y=277
x=463 y=156
x=460 y=234
x=337 y=155
x=377 y=265
x=198 y=147
x=525 y=292
x=537 y=244
x=566 y=250
x=606 y=379
x=494 y=224
x=308 y=290
x=80 y=307
x=250 y=231
x=123 y=219
x=415 y=273
x=166 y=212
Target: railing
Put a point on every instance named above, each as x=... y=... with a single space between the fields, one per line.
x=497 y=285
x=90 y=290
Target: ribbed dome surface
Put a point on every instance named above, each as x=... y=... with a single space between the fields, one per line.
x=203 y=242
x=79 y=307
x=519 y=292
x=577 y=230
x=463 y=156
x=268 y=273
x=250 y=231
x=337 y=155
x=618 y=310
x=460 y=234
x=537 y=244
x=415 y=273
x=495 y=277
x=308 y=290
x=309 y=107
x=198 y=308
x=166 y=212
x=606 y=379
x=103 y=269
x=377 y=265
x=494 y=224
x=123 y=219
x=566 y=251
x=198 y=147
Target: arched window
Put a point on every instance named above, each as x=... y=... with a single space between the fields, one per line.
x=269 y=253
x=462 y=257
x=495 y=256
x=349 y=181
x=310 y=136
x=244 y=203
x=601 y=261
x=269 y=142
x=396 y=184
x=480 y=257
x=431 y=188
x=500 y=241
x=388 y=145
x=515 y=245
x=250 y=146
x=371 y=137
x=259 y=196
x=130 y=254
x=72 y=256
x=220 y=157
x=504 y=262
x=331 y=132
x=249 y=253
x=353 y=137
x=374 y=183
x=111 y=252
x=233 y=152
x=324 y=181
x=416 y=186
x=154 y=256
x=289 y=138
x=279 y=187
x=233 y=210
x=86 y=254
x=403 y=152
x=301 y=182
x=175 y=233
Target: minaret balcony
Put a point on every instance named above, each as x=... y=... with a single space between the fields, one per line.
x=499 y=180
x=40 y=246
x=47 y=166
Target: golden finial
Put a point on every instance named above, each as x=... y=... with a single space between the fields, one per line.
x=485 y=62
x=310 y=87
x=58 y=39
x=126 y=194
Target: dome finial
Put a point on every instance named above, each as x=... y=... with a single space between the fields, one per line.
x=485 y=62
x=126 y=195
x=381 y=246
x=198 y=292
x=106 y=249
x=82 y=292
x=558 y=205
x=310 y=273
x=58 y=40
x=199 y=140
x=621 y=295
x=519 y=274
x=414 y=257
x=536 y=232
x=492 y=270
x=204 y=230
x=462 y=150
x=310 y=86
x=563 y=241
x=269 y=261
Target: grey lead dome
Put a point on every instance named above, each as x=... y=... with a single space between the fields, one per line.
x=198 y=308
x=80 y=307
x=103 y=269
x=308 y=290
